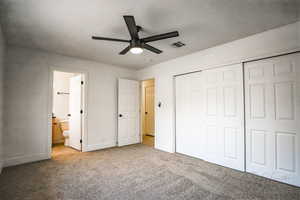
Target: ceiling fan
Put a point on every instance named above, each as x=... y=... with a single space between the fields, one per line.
x=136 y=45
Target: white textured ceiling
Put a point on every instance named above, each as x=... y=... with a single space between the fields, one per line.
x=66 y=26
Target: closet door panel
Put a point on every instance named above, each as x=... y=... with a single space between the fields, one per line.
x=210 y=116
x=272 y=97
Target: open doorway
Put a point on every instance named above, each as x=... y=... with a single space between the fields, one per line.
x=148 y=112
x=67 y=110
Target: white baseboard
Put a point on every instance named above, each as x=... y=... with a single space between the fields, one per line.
x=168 y=150
x=95 y=147
x=44 y=156
x=125 y=143
x=25 y=159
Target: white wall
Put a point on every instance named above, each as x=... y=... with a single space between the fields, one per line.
x=2 y=48
x=26 y=87
x=272 y=42
x=27 y=99
x=61 y=83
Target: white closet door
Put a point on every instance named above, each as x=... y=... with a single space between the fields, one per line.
x=224 y=116
x=272 y=88
x=210 y=116
x=189 y=139
x=128 y=112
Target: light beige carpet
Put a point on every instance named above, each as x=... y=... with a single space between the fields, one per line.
x=135 y=172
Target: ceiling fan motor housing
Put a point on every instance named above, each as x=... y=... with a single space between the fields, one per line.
x=135 y=43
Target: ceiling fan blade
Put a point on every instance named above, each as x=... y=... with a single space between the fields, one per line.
x=160 y=36
x=151 y=48
x=131 y=25
x=125 y=50
x=109 y=39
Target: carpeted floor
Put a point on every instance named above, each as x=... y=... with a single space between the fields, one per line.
x=135 y=172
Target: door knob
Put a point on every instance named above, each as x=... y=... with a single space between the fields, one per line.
x=146 y=113
x=120 y=115
x=159 y=104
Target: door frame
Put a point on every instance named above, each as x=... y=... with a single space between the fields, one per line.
x=142 y=113
x=84 y=132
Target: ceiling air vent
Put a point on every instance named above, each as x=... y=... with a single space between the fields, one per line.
x=178 y=44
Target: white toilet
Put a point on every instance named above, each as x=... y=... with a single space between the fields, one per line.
x=64 y=125
x=66 y=136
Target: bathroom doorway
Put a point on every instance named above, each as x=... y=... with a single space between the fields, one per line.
x=67 y=113
x=148 y=112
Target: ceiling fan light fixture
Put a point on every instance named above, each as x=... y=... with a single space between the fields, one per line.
x=136 y=50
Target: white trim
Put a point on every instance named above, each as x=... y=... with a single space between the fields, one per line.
x=164 y=149
x=84 y=73
x=141 y=110
x=96 y=147
x=25 y=159
x=173 y=148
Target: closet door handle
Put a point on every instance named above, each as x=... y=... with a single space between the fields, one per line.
x=120 y=115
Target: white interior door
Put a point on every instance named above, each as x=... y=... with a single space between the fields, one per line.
x=210 y=116
x=272 y=97
x=75 y=106
x=128 y=112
